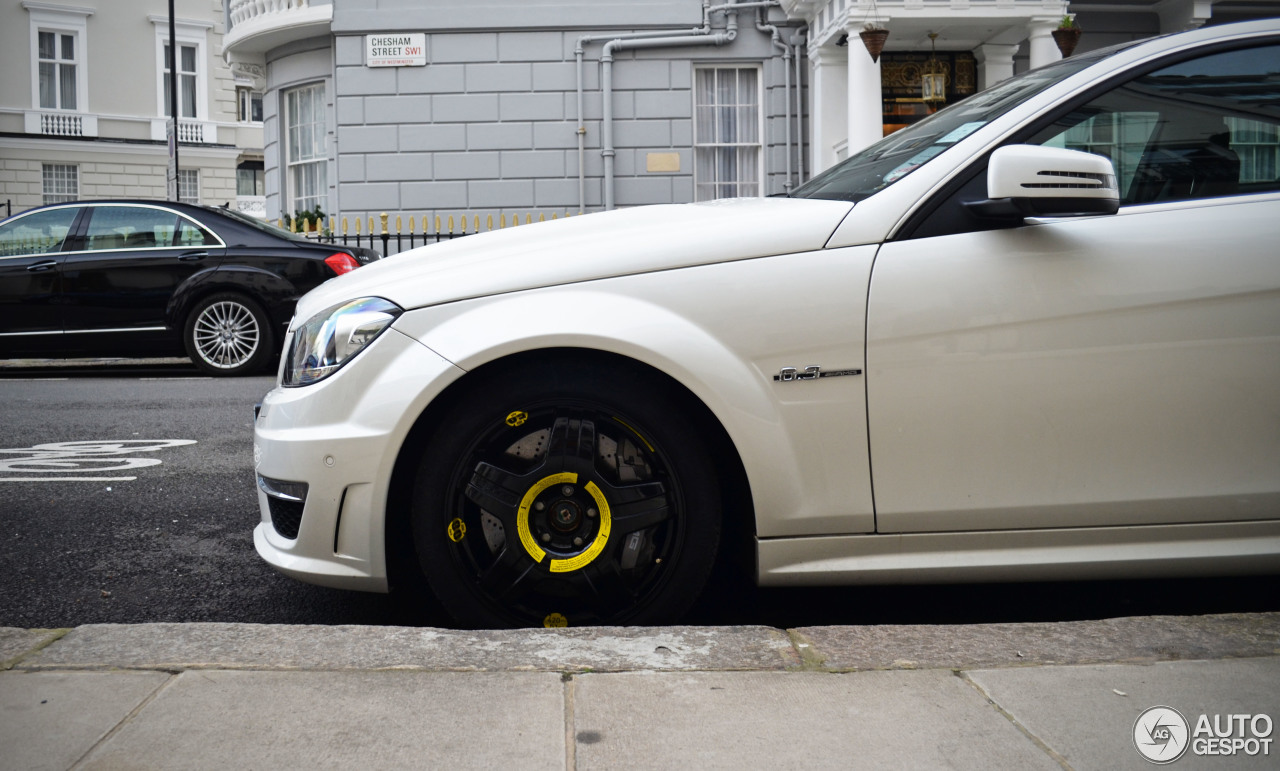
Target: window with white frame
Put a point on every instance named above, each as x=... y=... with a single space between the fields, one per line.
x=59 y=73
x=58 y=67
x=306 y=181
x=60 y=182
x=248 y=105
x=187 y=75
x=727 y=153
x=189 y=185
x=190 y=68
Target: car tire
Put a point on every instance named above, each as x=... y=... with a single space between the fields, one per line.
x=562 y=495
x=228 y=334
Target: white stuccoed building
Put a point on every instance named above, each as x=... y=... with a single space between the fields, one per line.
x=84 y=105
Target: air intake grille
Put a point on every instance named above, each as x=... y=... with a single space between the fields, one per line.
x=286 y=516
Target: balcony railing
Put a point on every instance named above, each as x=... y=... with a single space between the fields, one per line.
x=190 y=132
x=253 y=205
x=257 y=26
x=244 y=10
x=61 y=124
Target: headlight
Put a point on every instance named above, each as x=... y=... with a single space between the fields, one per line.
x=332 y=337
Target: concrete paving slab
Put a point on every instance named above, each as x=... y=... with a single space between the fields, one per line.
x=1145 y=639
x=800 y=720
x=343 y=720
x=49 y=720
x=269 y=646
x=18 y=643
x=1087 y=713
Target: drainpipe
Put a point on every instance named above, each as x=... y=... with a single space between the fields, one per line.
x=776 y=39
x=606 y=74
x=798 y=41
x=654 y=39
x=578 y=53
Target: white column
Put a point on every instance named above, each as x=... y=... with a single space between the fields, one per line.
x=1043 y=49
x=828 y=92
x=865 y=106
x=995 y=63
x=1182 y=15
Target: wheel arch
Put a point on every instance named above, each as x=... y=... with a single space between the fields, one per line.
x=737 y=546
x=267 y=289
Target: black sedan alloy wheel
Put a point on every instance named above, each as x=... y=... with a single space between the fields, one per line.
x=228 y=334
x=551 y=505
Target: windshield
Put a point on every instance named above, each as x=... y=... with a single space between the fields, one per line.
x=258 y=224
x=897 y=155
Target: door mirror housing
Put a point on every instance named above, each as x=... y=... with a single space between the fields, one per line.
x=1035 y=181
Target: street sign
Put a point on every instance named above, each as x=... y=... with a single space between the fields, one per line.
x=171 y=135
x=396 y=50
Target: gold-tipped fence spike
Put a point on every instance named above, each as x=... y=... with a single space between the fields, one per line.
x=488 y=222
x=383 y=218
x=400 y=228
x=450 y=223
x=370 y=224
x=543 y=217
x=344 y=226
x=528 y=219
x=357 y=226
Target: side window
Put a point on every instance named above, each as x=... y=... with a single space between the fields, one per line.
x=130 y=227
x=191 y=234
x=37 y=233
x=1199 y=129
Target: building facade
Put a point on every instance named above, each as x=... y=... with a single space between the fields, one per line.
x=494 y=108
x=498 y=108
x=84 y=109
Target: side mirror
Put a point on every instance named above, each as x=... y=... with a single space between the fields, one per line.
x=1034 y=181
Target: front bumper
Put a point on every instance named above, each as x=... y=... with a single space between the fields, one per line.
x=340 y=438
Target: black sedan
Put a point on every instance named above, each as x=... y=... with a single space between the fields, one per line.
x=150 y=278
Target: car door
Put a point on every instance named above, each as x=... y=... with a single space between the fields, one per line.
x=1113 y=370
x=31 y=251
x=116 y=290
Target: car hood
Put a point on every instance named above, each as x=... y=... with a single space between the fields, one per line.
x=586 y=248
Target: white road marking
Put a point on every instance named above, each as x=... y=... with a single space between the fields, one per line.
x=68 y=479
x=82 y=456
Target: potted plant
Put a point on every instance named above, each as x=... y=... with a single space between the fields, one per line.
x=307 y=221
x=1067 y=35
x=873 y=36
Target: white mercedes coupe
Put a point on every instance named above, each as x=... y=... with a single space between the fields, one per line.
x=1033 y=336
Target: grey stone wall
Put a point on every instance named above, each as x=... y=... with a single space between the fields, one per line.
x=489 y=125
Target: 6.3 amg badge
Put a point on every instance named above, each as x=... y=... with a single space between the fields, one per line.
x=811 y=372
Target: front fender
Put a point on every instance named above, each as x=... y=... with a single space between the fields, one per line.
x=722 y=331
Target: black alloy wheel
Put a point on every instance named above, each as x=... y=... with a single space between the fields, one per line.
x=567 y=498
x=228 y=334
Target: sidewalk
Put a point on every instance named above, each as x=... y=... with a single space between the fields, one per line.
x=1015 y=696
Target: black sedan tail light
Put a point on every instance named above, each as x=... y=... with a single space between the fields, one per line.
x=341 y=262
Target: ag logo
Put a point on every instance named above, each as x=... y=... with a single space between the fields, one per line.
x=1161 y=735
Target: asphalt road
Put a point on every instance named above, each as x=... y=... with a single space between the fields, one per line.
x=132 y=540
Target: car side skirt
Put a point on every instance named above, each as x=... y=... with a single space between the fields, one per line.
x=1239 y=548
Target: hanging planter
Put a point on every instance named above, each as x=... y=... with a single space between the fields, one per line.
x=873 y=38
x=1067 y=36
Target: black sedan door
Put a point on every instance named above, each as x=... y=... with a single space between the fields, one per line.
x=116 y=291
x=31 y=250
